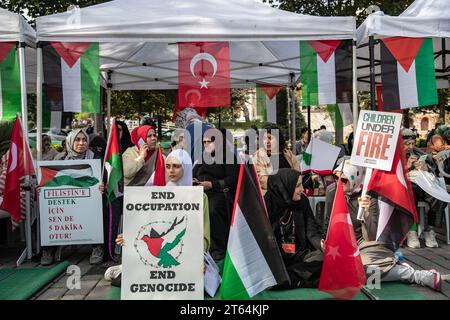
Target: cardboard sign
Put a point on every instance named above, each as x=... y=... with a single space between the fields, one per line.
x=70 y=202
x=376 y=139
x=163 y=252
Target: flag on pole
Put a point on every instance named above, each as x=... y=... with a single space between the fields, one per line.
x=204 y=74
x=160 y=170
x=396 y=199
x=10 y=92
x=319 y=157
x=326 y=72
x=113 y=164
x=266 y=102
x=253 y=262
x=343 y=273
x=72 y=76
x=341 y=114
x=407 y=73
x=19 y=165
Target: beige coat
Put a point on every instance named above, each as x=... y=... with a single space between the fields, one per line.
x=264 y=167
x=136 y=172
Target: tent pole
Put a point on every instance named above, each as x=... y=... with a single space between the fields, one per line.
x=355 y=88
x=293 y=137
x=39 y=103
x=108 y=103
x=23 y=95
x=308 y=108
x=372 y=72
x=289 y=118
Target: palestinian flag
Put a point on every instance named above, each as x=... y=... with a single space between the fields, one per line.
x=407 y=73
x=10 y=96
x=341 y=114
x=80 y=175
x=72 y=76
x=266 y=102
x=319 y=157
x=396 y=200
x=113 y=164
x=326 y=72
x=253 y=261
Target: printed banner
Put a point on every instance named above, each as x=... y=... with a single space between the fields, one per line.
x=376 y=139
x=163 y=252
x=70 y=202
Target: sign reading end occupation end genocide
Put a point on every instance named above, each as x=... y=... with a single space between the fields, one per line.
x=70 y=202
x=162 y=256
x=376 y=139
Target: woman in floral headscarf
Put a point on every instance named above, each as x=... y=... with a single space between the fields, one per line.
x=376 y=256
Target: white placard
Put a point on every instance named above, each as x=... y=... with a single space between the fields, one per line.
x=163 y=253
x=70 y=202
x=376 y=139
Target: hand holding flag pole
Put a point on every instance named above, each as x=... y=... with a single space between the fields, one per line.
x=364 y=192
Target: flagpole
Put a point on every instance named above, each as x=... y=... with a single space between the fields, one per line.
x=39 y=103
x=292 y=87
x=355 y=87
x=108 y=102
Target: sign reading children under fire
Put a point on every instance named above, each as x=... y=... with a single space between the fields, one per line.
x=162 y=256
x=376 y=139
x=70 y=202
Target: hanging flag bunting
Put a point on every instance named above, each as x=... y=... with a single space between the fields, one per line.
x=266 y=102
x=72 y=76
x=326 y=72
x=407 y=73
x=204 y=74
x=10 y=95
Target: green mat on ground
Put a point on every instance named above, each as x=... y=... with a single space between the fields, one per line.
x=23 y=283
x=388 y=291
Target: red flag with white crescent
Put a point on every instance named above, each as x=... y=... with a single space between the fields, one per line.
x=203 y=74
x=19 y=165
x=343 y=273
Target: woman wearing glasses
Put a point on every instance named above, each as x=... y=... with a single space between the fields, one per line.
x=219 y=179
x=374 y=254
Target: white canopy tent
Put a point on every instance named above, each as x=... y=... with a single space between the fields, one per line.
x=423 y=18
x=138 y=38
x=14 y=28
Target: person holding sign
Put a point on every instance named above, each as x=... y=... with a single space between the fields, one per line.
x=295 y=228
x=376 y=256
x=77 y=143
x=139 y=160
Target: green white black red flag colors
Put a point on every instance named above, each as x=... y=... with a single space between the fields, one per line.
x=326 y=72
x=80 y=175
x=319 y=157
x=10 y=96
x=113 y=164
x=407 y=73
x=341 y=114
x=343 y=273
x=72 y=76
x=252 y=263
x=266 y=102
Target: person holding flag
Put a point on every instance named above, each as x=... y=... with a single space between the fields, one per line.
x=376 y=254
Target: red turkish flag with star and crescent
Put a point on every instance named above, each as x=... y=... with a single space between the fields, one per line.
x=203 y=74
x=343 y=273
x=19 y=165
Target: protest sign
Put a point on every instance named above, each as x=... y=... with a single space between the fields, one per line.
x=163 y=252
x=70 y=202
x=376 y=139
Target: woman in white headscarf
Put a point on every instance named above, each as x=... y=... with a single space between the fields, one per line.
x=376 y=256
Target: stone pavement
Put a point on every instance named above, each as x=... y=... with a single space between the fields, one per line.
x=94 y=287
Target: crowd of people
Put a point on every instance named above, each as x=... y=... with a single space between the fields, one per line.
x=283 y=185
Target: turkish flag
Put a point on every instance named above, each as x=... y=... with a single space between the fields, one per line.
x=203 y=74
x=343 y=273
x=160 y=170
x=19 y=165
x=201 y=111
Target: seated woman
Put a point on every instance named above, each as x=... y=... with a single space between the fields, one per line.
x=178 y=173
x=374 y=254
x=298 y=234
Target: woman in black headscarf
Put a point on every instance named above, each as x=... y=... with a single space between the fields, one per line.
x=124 y=136
x=298 y=235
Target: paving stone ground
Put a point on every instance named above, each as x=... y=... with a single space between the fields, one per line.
x=94 y=287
